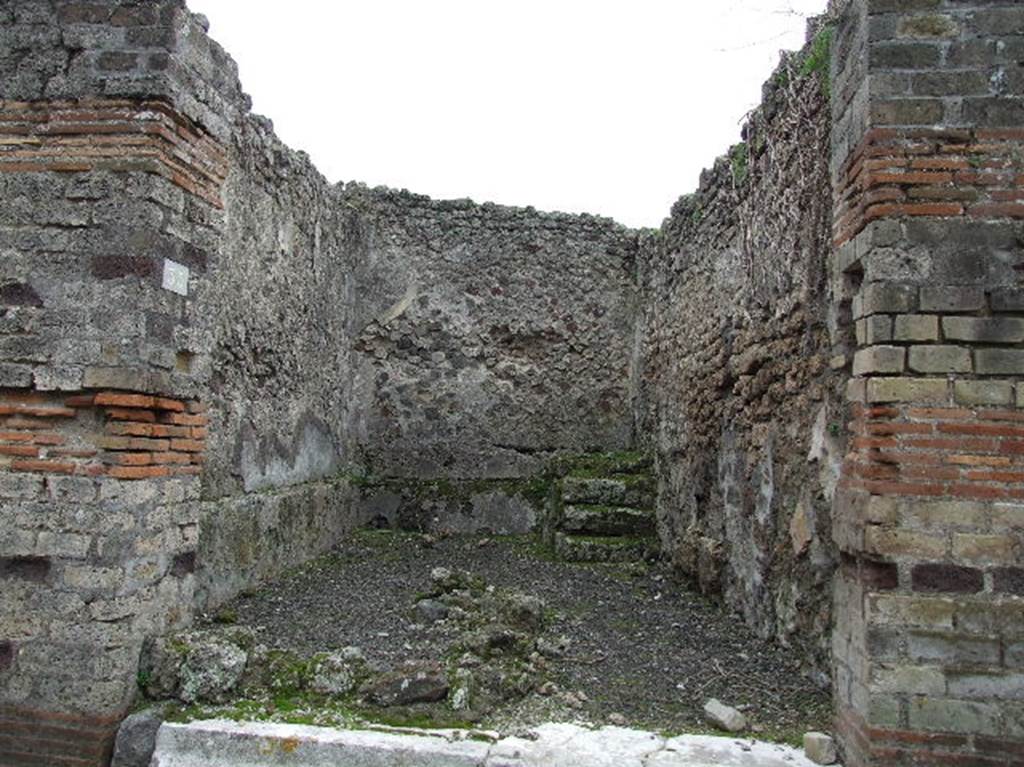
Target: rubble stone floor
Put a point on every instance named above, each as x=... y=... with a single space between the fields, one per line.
x=645 y=651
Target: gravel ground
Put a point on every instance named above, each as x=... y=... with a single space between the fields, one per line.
x=644 y=651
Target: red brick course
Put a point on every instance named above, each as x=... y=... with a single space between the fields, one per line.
x=911 y=748
x=111 y=134
x=934 y=451
x=925 y=172
x=30 y=737
x=143 y=436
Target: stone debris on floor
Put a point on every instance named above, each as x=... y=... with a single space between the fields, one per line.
x=725 y=717
x=505 y=623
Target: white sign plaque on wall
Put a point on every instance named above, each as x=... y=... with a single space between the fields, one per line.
x=175 y=277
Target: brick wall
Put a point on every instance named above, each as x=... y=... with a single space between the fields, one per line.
x=30 y=738
x=927 y=176
x=976 y=173
x=123 y=435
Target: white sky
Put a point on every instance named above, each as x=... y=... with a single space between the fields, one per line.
x=601 y=106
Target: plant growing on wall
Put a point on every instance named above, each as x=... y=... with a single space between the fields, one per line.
x=739 y=158
x=819 y=57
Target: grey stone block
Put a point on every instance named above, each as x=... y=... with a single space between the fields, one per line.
x=820 y=748
x=15 y=376
x=879 y=359
x=996 y=21
x=904 y=55
x=943 y=715
x=887 y=298
x=230 y=744
x=950 y=83
x=724 y=717
x=136 y=739
x=916 y=111
x=1008 y=299
x=1003 y=330
x=999 y=361
x=923 y=390
x=927 y=25
x=993 y=111
x=58 y=378
x=952 y=298
x=983 y=392
x=916 y=327
x=939 y=358
x=877 y=329
x=20 y=487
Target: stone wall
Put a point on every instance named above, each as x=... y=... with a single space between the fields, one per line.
x=742 y=382
x=273 y=316
x=489 y=340
x=203 y=342
x=174 y=426
x=927 y=175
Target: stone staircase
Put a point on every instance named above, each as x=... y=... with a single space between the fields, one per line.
x=603 y=510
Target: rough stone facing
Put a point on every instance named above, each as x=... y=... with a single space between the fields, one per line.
x=738 y=396
x=489 y=339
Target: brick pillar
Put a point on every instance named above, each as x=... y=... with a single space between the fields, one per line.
x=98 y=495
x=928 y=175
x=109 y=204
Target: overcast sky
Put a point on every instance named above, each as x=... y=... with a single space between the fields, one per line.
x=602 y=106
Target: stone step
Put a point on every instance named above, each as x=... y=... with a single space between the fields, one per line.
x=603 y=548
x=585 y=519
x=219 y=743
x=603 y=464
x=635 y=490
x=617 y=463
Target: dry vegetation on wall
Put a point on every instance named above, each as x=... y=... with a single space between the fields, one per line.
x=739 y=393
x=786 y=141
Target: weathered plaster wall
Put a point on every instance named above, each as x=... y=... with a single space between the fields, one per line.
x=739 y=396
x=275 y=312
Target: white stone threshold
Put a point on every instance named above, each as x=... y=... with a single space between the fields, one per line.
x=217 y=743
